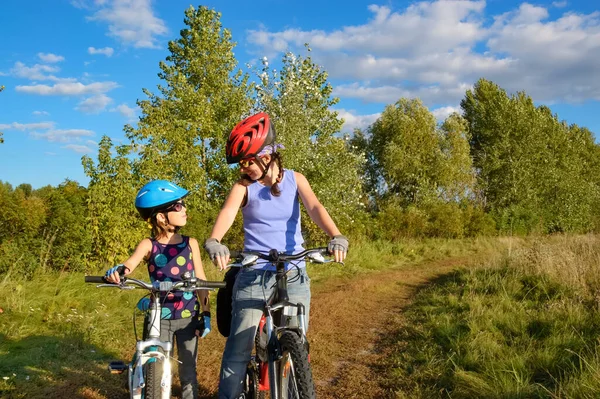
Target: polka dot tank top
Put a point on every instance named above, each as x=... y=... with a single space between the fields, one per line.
x=167 y=263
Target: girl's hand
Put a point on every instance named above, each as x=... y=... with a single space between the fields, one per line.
x=115 y=273
x=217 y=252
x=338 y=247
x=203 y=326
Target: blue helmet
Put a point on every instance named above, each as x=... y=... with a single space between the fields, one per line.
x=157 y=195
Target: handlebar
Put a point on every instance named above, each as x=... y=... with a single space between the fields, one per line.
x=191 y=284
x=248 y=258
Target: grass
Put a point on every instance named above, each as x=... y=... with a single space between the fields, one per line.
x=521 y=326
x=57 y=333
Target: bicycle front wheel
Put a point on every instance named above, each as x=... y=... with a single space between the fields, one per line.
x=294 y=370
x=153 y=372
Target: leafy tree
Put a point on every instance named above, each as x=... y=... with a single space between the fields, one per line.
x=114 y=225
x=413 y=160
x=182 y=132
x=298 y=98
x=22 y=217
x=66 y=238
x=535 y=172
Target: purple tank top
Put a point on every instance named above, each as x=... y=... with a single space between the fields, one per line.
x=168 y=262
x=273 y=222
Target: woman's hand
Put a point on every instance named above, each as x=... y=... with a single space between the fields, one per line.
x=217 y=252
x=338 y=247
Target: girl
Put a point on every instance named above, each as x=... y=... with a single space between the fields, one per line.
x=268 y=196
x=168 y=255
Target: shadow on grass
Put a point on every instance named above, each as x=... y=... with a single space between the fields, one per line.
x=405 y=345
x=52 y=367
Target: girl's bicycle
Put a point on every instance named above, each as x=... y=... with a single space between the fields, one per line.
x=280 y=361
x=150 y=369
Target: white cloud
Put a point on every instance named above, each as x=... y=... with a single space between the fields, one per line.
x=107 y=51
x=50 y=58
x=27 y=126
x=40 y=113
x=131 y=21
x=79 y=148
x=63 y=135
x=353 y=121
x=68 y=89
x=125 y=110
x=559 y=4
x=94 y=104
x=443 y=112
x=37 y=72
x=435 y=50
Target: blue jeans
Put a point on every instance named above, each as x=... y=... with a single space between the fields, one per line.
x=250 y=290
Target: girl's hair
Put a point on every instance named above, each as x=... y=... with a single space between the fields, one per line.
x=275 y=157
x=158 y=229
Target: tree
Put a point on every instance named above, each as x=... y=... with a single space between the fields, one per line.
x=535 y=172
x=182 y=132
x=66 y=237
x=298 y=98
x=113 y=223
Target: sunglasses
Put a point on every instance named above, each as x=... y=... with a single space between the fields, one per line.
x=244 y=163
x=176 y=207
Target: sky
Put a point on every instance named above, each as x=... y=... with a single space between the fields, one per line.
x=74 y=69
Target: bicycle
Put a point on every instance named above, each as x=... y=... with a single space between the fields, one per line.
x=149 y=372
x=280 y=360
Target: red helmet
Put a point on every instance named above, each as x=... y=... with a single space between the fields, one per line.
x=249 y=137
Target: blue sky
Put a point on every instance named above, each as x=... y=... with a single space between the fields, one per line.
x=73 y=69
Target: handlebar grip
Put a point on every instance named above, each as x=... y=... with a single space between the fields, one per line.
x=210 y=284
x=95 y=279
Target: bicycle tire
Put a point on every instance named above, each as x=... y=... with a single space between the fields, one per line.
x=295 y=375
x=251 y=390
x=153 y=373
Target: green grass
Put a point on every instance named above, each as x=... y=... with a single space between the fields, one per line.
x=522 y=326
x=58 y=333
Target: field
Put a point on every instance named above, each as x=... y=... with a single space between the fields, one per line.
x=489 y=318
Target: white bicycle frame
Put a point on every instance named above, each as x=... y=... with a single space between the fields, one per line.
x=137 y=380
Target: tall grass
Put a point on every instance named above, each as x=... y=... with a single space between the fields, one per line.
x=522 y=326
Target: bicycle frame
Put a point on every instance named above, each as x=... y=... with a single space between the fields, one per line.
x=278 y=316
x=150 y=348
x=146 y=351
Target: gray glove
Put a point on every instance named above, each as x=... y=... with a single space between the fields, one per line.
x=215 y=248
x=338 y=242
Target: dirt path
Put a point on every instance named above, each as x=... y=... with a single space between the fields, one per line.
x=349 y=317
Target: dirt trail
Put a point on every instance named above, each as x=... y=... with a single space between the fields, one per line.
x=349 y=320
x=349 y=317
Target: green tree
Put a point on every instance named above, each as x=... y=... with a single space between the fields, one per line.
x=66 y=238
x=536 y=173
x=299 y=99
x=413 y=160
x=114 y=225
x=182 y=132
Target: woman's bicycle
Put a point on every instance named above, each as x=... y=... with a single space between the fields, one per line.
x=150 y=369
x=280 y=361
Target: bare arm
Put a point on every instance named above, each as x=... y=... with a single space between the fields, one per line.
x=228 y=211
x=315 y=209
x=141 y=251
x=225 y=220
x=199 y=273
x=318 y=213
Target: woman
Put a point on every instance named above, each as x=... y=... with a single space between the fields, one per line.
x=269 y=196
